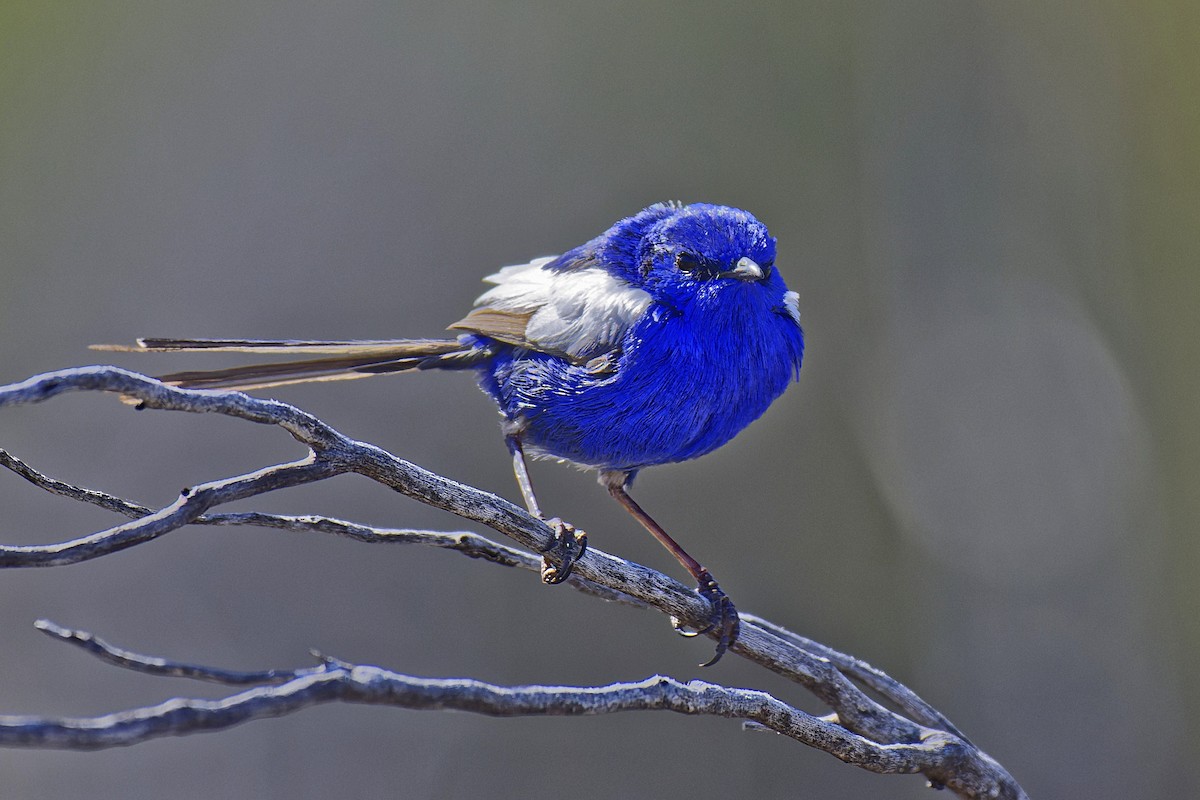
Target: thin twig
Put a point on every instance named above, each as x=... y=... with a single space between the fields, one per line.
x=875 y=679
x=192 y=503
x=63 y=489
x=151 y=665
x=469 y=544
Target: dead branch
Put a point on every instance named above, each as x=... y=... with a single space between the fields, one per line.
x=280 y=692
x=861 y=730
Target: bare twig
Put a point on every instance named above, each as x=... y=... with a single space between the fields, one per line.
x=873 y=678
x=151 y=665
x=469 y=544
x=862 y=732
x=63 y=489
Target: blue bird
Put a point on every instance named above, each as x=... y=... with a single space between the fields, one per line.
x=655 y=342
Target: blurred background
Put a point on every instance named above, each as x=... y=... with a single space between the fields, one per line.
x=984 y=482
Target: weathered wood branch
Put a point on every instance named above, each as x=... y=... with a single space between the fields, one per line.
x=861 y=730
x=280 y=692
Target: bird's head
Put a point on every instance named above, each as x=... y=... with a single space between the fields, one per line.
x=700 y=246
x=677 y=251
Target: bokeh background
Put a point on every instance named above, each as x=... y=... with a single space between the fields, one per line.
x=984 y=483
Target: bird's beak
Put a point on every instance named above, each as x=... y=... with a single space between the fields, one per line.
x=746 y=269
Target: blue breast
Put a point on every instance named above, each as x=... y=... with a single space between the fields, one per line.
x=687 y=380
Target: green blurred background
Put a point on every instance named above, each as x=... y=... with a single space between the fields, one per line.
x=984 y=482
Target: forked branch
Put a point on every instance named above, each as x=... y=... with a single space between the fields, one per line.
x=861 y=730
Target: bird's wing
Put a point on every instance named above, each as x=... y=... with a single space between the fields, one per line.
x=574 y=313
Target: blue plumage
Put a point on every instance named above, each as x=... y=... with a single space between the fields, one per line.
x=708 y=356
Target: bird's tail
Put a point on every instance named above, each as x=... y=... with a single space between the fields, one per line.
x=340 y=361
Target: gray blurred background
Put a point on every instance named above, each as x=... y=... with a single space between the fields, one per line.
x=984 y=482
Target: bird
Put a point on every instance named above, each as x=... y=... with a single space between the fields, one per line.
x=655 y=342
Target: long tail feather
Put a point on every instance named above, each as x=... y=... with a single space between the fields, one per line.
x=362 y=347
x=355 y=359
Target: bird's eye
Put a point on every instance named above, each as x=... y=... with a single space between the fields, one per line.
x=686 y=262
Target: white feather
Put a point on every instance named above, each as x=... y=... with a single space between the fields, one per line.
x=791 y=303
x=577 y=312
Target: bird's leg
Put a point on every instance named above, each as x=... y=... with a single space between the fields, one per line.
x=724 y=616
x=569 y=544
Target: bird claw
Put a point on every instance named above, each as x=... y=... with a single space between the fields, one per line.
x=681 y=628
x=724 y=618
x=569 y=546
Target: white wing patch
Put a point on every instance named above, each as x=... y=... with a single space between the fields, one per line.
x=577 y=312
x=791 y=304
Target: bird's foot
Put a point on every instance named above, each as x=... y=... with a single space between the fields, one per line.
x=569 y=546
x=724 y=619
